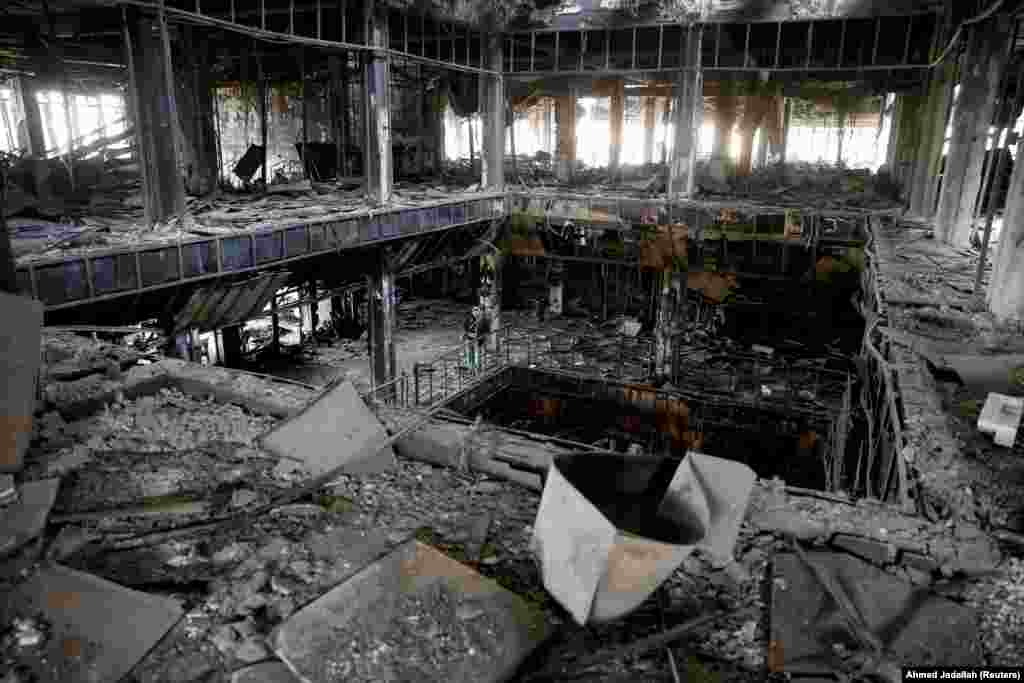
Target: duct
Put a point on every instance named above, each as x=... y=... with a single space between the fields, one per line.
x=211 y=308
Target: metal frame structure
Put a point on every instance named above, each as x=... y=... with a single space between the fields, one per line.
x=594 y=51
x=111 y=273
x=454 y=56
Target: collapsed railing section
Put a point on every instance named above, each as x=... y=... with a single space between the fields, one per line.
x=881 y=470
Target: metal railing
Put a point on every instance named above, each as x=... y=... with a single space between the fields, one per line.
x=703 y=374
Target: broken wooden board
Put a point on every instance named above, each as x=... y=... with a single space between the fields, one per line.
x=94 y=630
x=914 y=624
x=20 y=343
x=25 y=519
x=360 y=631
x=335 y=429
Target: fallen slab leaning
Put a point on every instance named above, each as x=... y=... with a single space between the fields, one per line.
x=336 y=429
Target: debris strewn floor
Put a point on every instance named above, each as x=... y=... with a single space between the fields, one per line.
x=147 y=454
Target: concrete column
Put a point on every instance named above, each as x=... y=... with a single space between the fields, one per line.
x=34 y=139
x=1006 y=288
x=787 y=116
x=492 y=90
x=928 y=155
x=649 y=113
x=753 y=114
x=980 y=82
x=669 y=321
x=616 y=116
x=726 y=114
x=490 y=296
x=565 y=114
x=383 y=314
x=195 y=97
x=155 y=114
x=231 y=345
x=688 y=115
x=377 y=109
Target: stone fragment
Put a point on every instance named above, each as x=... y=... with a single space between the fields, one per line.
x=878 y=552
x=918 y=561
x=25 y=519
x=252 y=649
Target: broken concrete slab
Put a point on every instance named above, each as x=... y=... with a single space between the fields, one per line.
x=914 y=624
x=97 y=631
x=20 y=340
x=865 y=548
x=335 y=429
x=25 y=519
x=610 y=529
x=388 y=621
x=267 y=672
x=8 y=491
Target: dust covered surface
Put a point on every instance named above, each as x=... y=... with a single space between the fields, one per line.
x=432 y=634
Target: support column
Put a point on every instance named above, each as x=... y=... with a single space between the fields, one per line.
x=199 y=135
x=668 y=326
x=688 y=115
x=492 y=89
x=753 y=114
x=490 y=297
x=377 y=107
x=155 y=113
x=787 y=115
x=648 y=106
x=981 y=77
x=565 y=115
x=231 y=345
x=725 y=116
x=381 y=292
x=34 y=139
x=616 y=114
x=1006 y=288
x=928 y=156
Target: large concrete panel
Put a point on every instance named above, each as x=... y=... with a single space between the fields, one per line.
x=20 y=343
x=336 y=429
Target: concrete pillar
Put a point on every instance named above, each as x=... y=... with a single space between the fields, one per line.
x=383 y=314
x=649 y=113
x=981 y=78
x=616 y=116
x=1006 y=288
x=669 y=323
x=155 y=117
x=492 y=90
x=34 y=139
x=195 y=97
x=231 y=345
x=377 y=112
x=565 y=114
x=489 y=295
x=688 y=115
x=928 y=155
x=753 y=114
x=787 y=115
x=725 y=116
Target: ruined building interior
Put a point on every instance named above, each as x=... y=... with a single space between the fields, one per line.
x=470 y=341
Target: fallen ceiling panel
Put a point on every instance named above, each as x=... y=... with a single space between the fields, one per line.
x=211 y=308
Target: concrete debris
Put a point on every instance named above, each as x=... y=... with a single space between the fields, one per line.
x=25 y=520
x=8 y=491
x=19 y=366
x=336 y=429
x=267 y=672
x=416 y=614
x=1001 y=417
x=918 y=626
x=96 y=630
